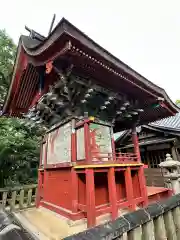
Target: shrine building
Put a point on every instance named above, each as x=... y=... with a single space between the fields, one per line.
x=81 y=94
x=156 y=139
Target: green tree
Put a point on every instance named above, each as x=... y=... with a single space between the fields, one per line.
x=177 y=101
x=7 y=56
x=19 y=145
x=19 y=152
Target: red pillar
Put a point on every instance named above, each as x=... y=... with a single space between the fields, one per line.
x=143 y=188
x=129 y=188
x=46 y=152
x=41 y=173
x=41 y=154
x=74 y=184
x=39 y=188
x=90 y=198
x=73 y=142
x=87 y=142
x=136 y=143
x=113 y=146
x=112 y=193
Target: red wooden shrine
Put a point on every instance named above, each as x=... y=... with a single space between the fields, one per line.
x=89 y=181
x=82 y=95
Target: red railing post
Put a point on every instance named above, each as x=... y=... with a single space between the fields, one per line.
x=136 y=143
x=73 y=142
x=87 y=142
x=113 y=146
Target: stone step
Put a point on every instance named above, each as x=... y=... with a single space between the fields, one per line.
x=51 y=225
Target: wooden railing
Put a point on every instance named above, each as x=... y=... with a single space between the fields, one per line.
x=126 y=157
x=118 y=157
x=18 y=197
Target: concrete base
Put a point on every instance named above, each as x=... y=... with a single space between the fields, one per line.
x=48 y=225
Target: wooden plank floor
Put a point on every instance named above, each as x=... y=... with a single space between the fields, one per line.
x=155 y=190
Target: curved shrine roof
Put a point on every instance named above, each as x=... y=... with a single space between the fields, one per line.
x=66 y=41
x=170 y=124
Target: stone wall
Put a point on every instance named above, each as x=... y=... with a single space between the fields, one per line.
x=158 y=221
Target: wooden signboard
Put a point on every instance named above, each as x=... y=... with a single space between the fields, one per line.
x=59 y=145
x=101 y=146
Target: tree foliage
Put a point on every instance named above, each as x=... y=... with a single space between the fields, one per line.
x=19 y=145
x=177 y=101
x=7 y=56
x=19 y=152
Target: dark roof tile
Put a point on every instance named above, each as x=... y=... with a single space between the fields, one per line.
x=170 y=122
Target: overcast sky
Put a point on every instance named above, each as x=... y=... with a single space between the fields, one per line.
x=145 y=34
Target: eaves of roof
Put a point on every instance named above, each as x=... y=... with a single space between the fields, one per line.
x=34 y=48
x=154 y=141
x=65 y=27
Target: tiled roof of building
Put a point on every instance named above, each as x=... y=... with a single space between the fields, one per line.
x=172 y=122
x=118 y=135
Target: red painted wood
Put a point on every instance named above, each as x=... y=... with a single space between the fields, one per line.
x=136 y=144
x=74 y=184
x=82 y=188
x=62 y=212
x=58 y=188
x=81 y=123
x=84 y=162
x=45 y=155
x=73 y=147
x=36 y=98
x=87 y=142
x=112 y=193
x=79 y=215
x=82 y=207
x=142 y=185
x=90 y=198
x=57 y=166
x=41 y=154
x=135 y=180
x=21 y=65
x=113 y=149
x=138 y=201
x=88 y=192
x=113 y=145
x=123 y=204
x=39 y=189
x=120 y=185
x=73 y=142
x=101 y=188
x=158 y=193
x=94 y=148
x=129 y=188
x=165 y=106
x=103 y=210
